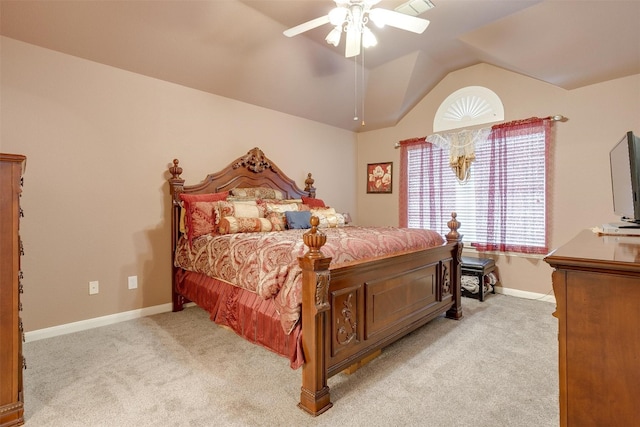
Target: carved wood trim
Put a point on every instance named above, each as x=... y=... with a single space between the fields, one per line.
x=347 y=332
x=445 y=279
x=254 y=160
x=322 y=292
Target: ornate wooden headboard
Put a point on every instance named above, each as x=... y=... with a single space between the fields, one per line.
x=251 y=170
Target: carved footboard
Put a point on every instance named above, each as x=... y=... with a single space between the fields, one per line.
x=351 y=312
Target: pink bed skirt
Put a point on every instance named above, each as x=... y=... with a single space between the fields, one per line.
x=249 y=315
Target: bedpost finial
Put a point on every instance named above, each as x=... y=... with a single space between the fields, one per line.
x=309 y=181
x=314 y=239
x=308 y=186
x=453 y=235
x=175 y=170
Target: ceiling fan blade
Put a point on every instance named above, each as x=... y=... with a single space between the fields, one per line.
x=306 y=26
x=399 y=20
x=352 y=47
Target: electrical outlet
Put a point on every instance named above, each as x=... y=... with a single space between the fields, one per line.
x=133 y=282
x=94 y=287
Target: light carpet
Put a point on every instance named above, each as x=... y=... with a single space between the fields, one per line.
x=495 y=367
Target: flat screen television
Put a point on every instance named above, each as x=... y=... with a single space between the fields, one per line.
x=624 y=158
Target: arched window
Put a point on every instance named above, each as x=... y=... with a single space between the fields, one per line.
x=469 y=106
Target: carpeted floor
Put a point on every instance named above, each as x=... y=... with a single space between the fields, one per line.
x=495 y=367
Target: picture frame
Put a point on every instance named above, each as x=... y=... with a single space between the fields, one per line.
x=380 y=177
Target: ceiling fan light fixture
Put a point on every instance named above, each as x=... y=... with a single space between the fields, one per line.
x=338 y=15
x=368 y=38
x=352 y=16
x=334 y=36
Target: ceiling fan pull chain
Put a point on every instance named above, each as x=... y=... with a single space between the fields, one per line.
x=362 y=91
x=355 y=88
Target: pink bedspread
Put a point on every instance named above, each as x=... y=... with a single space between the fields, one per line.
x=267 y=263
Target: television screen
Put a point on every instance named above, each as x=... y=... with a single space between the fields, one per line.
x=621 y=179
x=625 y=177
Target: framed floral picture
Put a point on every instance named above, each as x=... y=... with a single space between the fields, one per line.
x=379 y=177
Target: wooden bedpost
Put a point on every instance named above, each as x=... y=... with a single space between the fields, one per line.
x=453 y=224
x=314 y=395
x=176 y=186
x=308 y=186
x=455 y=312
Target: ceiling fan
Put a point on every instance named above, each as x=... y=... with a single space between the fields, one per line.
x=352 y=16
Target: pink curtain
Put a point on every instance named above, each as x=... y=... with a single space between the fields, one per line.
x=515 y=178
x=404 y=191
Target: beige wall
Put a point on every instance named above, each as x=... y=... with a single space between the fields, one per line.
x=599 y=115
x=98 y=141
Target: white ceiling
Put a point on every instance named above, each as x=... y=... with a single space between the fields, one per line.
x=236 y=49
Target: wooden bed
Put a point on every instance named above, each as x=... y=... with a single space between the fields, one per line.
x=349 y=312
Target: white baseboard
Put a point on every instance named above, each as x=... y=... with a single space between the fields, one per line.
x=96 y=322
x=548 y=297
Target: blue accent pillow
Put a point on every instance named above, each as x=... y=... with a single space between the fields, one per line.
x=298 y=219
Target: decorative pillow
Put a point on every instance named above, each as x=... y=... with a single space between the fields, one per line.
x=323 y=211
x=313 y=203
x=241 y=209
x=240 y=199
x=278 y=220
x=266 y=200
x=282 y=207
x=183 y=226
x=298 y=219
x=258 y=193
x=199 y=218
x=231 y=225
x=328 y=217
x=202 y=219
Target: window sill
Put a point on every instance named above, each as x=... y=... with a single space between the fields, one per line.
x=468 y=250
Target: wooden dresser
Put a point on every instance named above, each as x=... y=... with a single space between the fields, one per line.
x=597 y=287
x=11 y=361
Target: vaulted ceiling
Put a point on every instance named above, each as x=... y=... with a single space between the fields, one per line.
x=236 y=49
